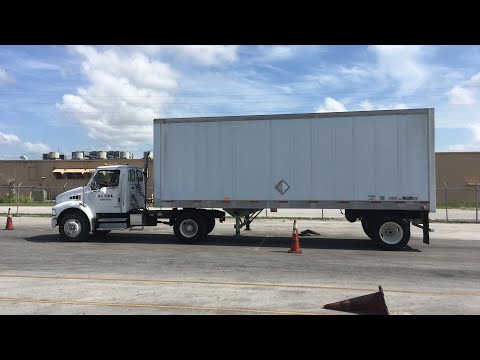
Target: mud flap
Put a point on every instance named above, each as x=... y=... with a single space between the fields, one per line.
x=426 y=227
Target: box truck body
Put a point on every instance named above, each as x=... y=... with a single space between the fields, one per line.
x=352 y=160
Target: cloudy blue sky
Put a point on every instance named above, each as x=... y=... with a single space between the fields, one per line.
x=71 y=98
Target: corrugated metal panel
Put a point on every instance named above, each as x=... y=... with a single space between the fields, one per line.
x=377 y=156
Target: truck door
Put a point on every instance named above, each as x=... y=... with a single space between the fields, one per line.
x=106 y=192
x=135 y=191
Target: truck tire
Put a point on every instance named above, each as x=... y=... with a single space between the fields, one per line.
x=366 y=228
x=391 y=232
x=74 y=227
x=210 y=225
x=189 y=227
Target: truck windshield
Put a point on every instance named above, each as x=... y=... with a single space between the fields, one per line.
x=106 y=178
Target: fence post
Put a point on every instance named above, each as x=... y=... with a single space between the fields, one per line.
x=476 y=202
x=446 y=201
x=18 y=188
x=18 y=195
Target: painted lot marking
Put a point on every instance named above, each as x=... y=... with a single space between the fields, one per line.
x=156 y=306
x=236 y=284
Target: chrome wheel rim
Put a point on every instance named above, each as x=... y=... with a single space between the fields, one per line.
x=72 y=228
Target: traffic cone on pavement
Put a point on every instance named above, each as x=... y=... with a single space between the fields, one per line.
x=9 y=221
x=295 y=241
x=370 y=304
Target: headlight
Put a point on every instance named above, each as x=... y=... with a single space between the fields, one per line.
x=54 y=213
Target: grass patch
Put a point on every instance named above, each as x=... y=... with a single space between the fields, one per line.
x=462 y=205
x=454 y=221
x=26 y=215
x=35 y=204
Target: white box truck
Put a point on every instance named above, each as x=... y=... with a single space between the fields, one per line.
x=379 y=166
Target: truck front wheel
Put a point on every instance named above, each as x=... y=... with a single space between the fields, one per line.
x=74 y=227
x=391 y=232
x=189 y=227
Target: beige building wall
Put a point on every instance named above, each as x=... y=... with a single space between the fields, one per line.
x=459 y=171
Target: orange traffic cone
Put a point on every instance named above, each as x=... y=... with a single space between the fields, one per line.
x=295 y=241
x=370 y=304
x=9 y=221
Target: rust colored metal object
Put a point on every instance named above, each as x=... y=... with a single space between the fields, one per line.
x=368 y=304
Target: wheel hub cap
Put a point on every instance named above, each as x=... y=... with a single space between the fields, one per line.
x=188 y=228
x=72 y=228
x=391 y=233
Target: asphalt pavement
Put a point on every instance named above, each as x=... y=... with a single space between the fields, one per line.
x=150 y=272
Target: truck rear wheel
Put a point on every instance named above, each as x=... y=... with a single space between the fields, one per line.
x=391 y=232
x=189 y=227
x=74 y=227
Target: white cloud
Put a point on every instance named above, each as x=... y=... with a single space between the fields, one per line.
x=475 y=80
x=330 y=105
x=210 y=55
x=232 y=93
x=473 y=144
x=324 y=79
x=206 y=55
x=367 y=105
x=40 y=65
x=464 y=94
x=464 y=147
x=148 y=49
x=6 y=77
x=11 y=143
x=461 y=96
x=277 y=52
x=37 y=148
x=129 y=87
x=475 y=129
x=7 y=139
x=126 y=92
x=356 y=71
x=404 y=64
x=455 y=117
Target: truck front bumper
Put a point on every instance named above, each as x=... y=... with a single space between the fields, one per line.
x=54 y=222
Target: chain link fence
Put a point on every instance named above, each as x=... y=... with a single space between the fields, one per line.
x=458 y=203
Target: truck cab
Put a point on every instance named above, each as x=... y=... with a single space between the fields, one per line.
x=115 y=199
x=103 y=204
